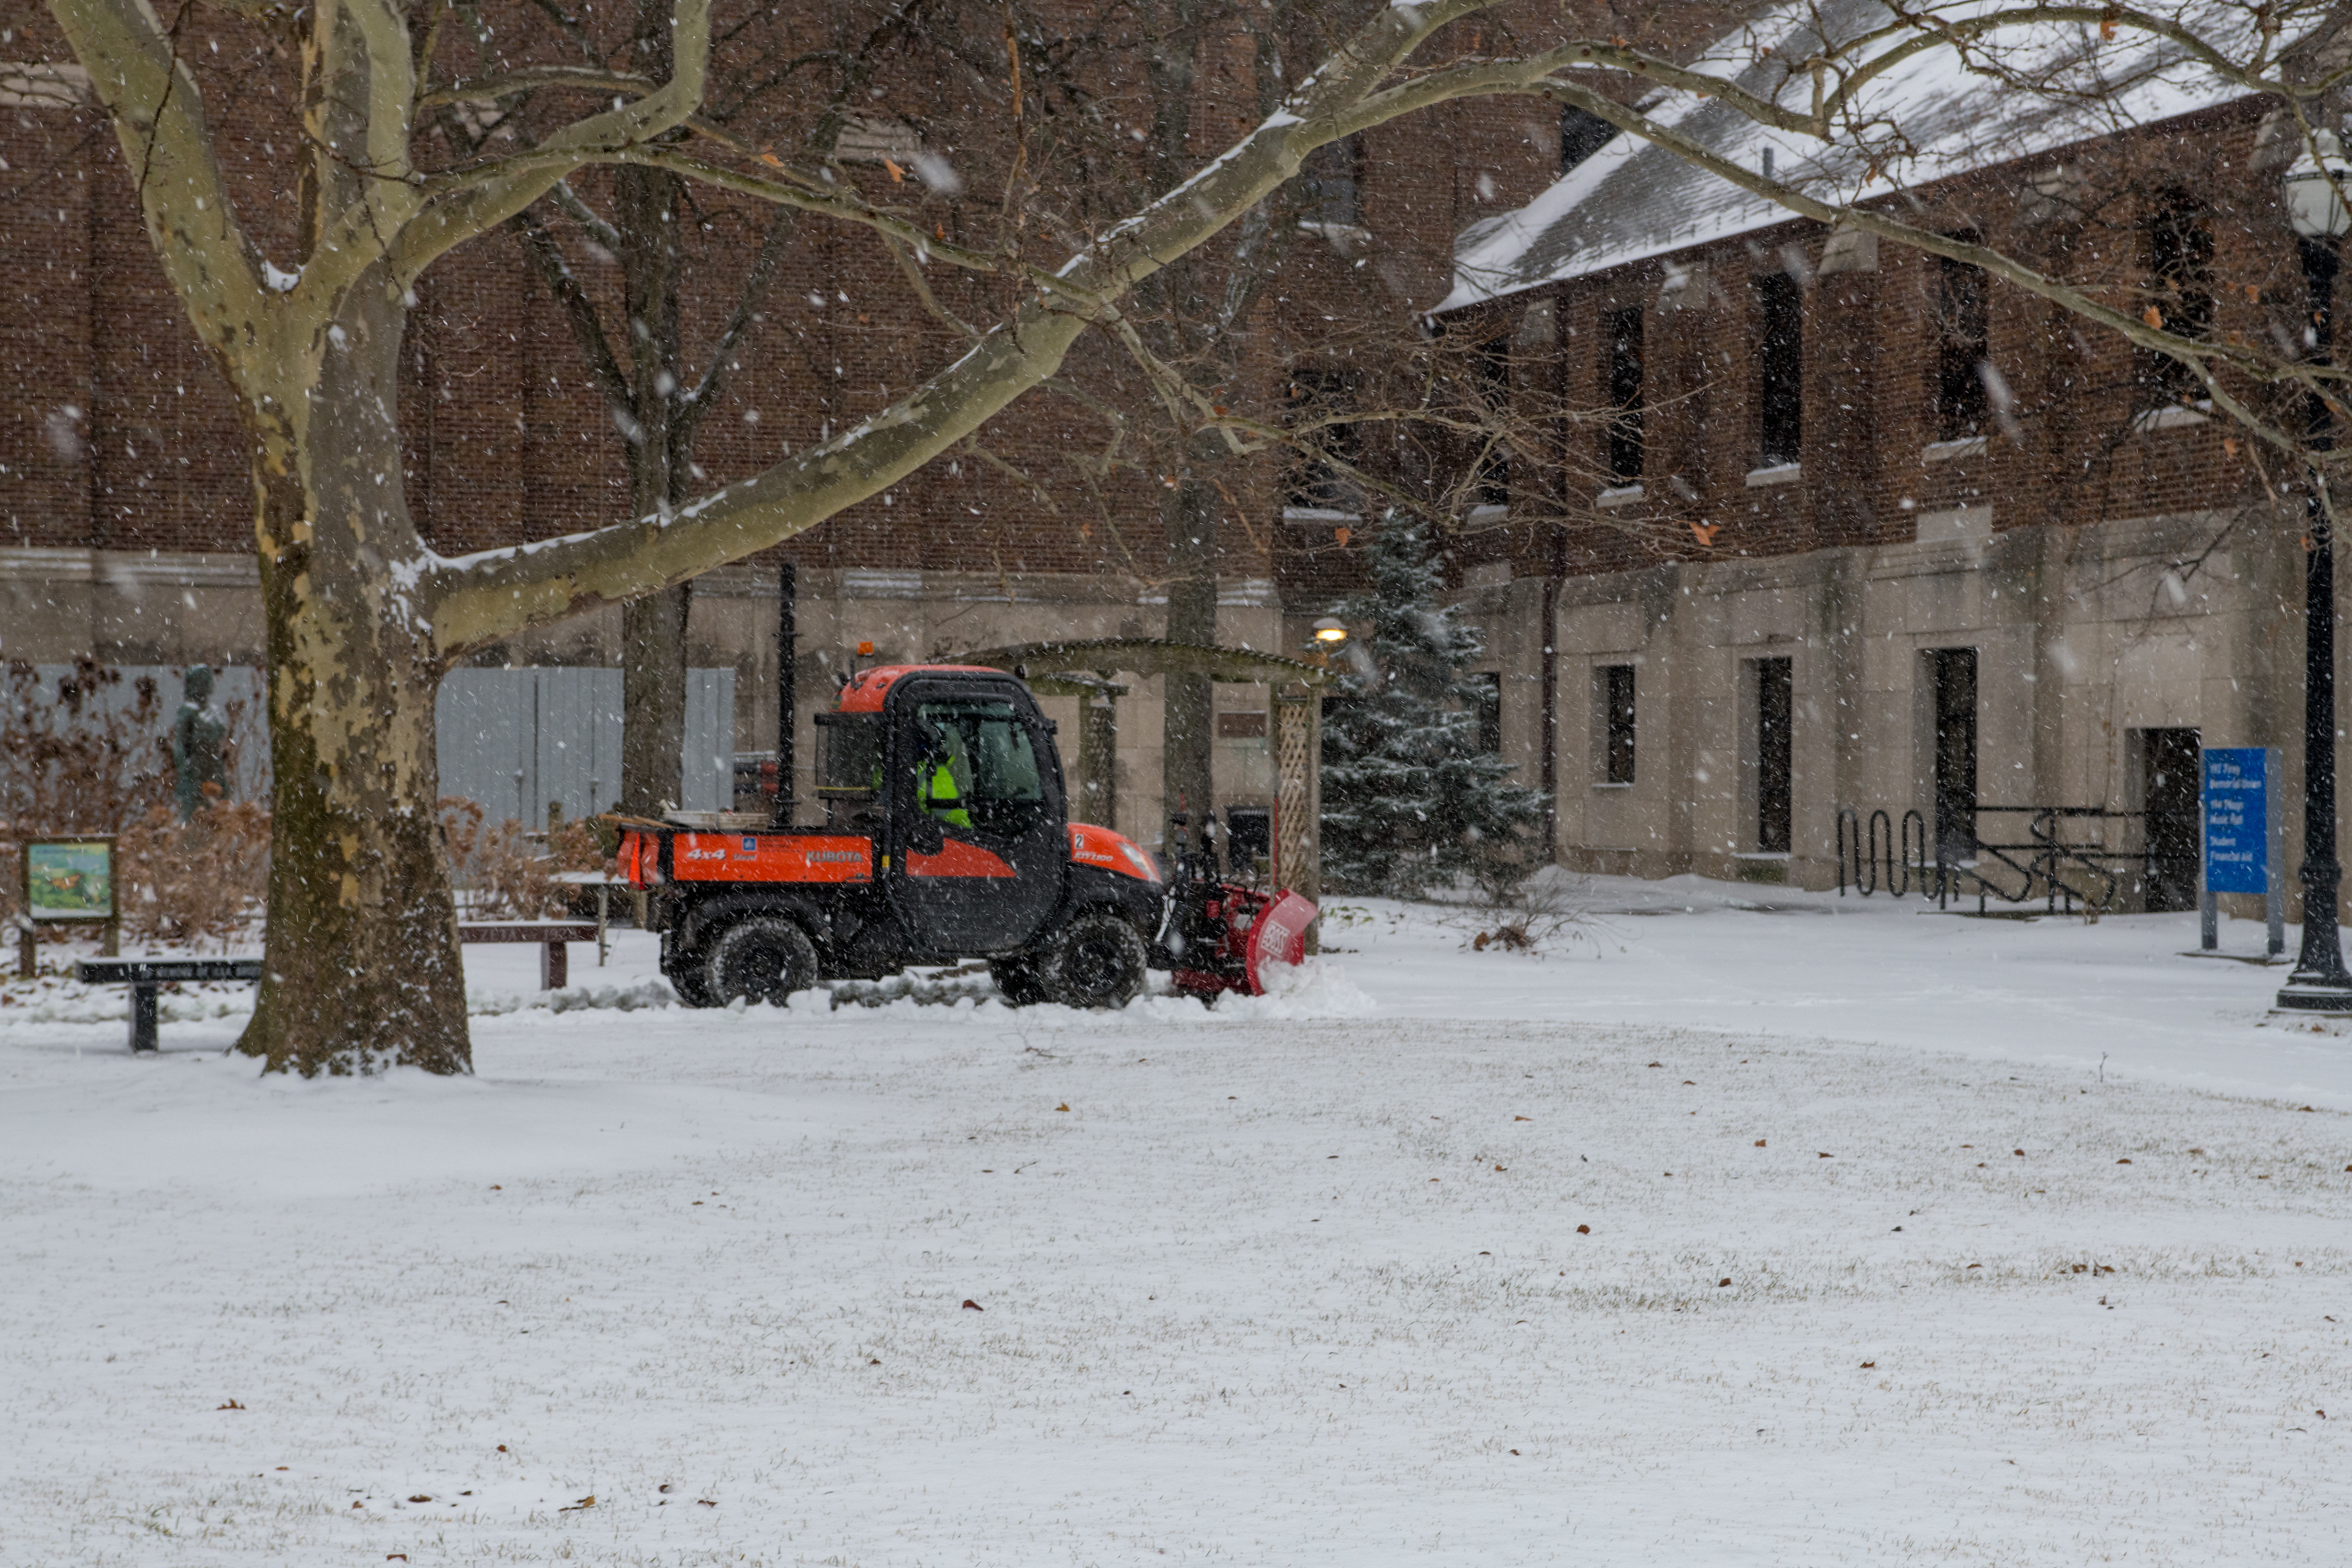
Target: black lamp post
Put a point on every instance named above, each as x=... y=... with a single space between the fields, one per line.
x=2319 y=983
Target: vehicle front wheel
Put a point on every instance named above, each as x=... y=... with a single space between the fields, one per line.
x=1016 y=981
x=1095 y=961
x=762 y=958
x=686 y=980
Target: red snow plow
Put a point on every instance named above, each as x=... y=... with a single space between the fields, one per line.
x=947 y=839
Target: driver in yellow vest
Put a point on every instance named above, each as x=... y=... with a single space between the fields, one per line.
x=942 y=798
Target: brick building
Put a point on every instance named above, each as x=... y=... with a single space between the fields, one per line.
x=1842 y=526
x=125 y=513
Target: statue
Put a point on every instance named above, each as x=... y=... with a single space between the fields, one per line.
x=197 y=733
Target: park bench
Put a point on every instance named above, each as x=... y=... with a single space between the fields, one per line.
x=143 y=976
x=555 y=962
x=146 y=975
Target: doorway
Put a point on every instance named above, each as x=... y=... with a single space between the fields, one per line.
x=1775 y=702
x=2173 y=795
x=1952 y=682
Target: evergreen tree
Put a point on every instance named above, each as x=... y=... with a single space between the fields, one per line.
x=1410 y=801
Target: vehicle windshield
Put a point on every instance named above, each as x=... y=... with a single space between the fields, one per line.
x=976 y=766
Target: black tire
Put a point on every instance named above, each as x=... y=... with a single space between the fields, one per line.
x=686 y=980
x=1095 y=961
x=683 y=970
x=1016 y=981
x=762 y=958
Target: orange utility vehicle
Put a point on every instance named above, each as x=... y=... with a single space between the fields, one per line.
x=948 y=837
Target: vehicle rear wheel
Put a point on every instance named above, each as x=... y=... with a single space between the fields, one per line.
x=762 y=958
x=1016 y=981
x=1095 y=961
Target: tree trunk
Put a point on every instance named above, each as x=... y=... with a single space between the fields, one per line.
x=1189 y=512
x=652 y=699
x=653 y=629
x=362 y=963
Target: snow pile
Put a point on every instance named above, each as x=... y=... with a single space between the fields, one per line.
x=482 y=1002
x=1310 y=990
x=933 y=988
x=71 y=1002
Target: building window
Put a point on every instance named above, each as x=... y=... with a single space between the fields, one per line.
x=1581 y=134
x=1780 y=371
x=1332 y=183
x=1623 y=328
x=1775 y=708
x=1315 y=481
x=1490 y=377
x=875 y=139
x=1486 y=705
x=1952 y=693
x=1616 y=694
x=2179 y=248
x=1963 y=336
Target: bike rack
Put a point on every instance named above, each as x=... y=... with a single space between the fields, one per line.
x=1883 y=846
x=2046 y=864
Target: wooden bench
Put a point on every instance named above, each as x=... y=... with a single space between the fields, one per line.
x=555 y=962
x=605 y=885
x=144 y=975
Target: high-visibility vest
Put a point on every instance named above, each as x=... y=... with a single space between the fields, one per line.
x=944 y=800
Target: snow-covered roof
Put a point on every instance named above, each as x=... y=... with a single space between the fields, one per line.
x=1936 y=114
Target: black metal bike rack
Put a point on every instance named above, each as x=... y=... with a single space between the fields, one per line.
x=2048 y=865
x=1865 y=852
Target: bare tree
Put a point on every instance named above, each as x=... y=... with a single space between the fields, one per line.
x=363 y=619
x=658 y=386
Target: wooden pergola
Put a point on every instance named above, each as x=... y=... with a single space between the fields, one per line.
x=1086 y=668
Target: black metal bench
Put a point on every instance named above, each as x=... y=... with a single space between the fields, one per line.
x=143 y=976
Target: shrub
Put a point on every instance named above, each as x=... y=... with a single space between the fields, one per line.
x=183 y=883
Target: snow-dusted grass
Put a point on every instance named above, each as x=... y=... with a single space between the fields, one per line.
x=1296 y=1281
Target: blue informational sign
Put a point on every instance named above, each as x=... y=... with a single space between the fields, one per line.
x=2237 y=820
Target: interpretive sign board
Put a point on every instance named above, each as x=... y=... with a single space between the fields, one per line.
x=69 y=879
x=2240 y=806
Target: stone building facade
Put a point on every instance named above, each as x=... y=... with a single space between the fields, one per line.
x=1840 y=527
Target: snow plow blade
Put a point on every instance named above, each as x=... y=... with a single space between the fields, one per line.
x=1277 y=937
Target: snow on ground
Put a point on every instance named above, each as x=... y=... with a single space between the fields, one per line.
x=1297 y=1281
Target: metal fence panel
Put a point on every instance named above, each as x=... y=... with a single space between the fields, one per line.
x=709 y=760
x=516 y=740
x=578 y=747
x=484 y=734
x=238 y=689
x=510 y=740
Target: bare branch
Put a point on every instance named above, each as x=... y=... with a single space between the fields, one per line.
x=579 y=314
x=490 y=89
x=703 y=397
x=594 y=228
x=835 y=203
x=913 y=273
x=458 y=207
x=482 y=598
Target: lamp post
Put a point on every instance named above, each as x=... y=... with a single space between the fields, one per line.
x=2319 y=984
